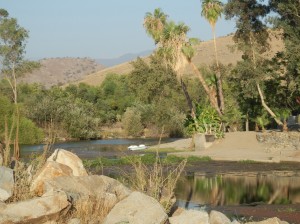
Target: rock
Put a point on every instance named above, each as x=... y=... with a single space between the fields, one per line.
x=49 y=171
x=74 y=221
x=86 y=186
x=216 y=217
x=6 y=183
x=178 y=211
x=135 y=209
x=269 y=221
x=235 y=222
x=199 y=142
x=35 y=211
x=69 y=159
x=190 y=217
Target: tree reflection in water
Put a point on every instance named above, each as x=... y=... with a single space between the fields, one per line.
x=236 y=189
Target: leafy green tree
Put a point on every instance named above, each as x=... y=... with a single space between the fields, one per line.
x=211 y=11
x=251 y=38
x=287 y=62
x=113 y=97
x=151 y=82
x=12 y=46
x=131 y=122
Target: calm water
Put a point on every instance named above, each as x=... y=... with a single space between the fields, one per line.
x=237 y=189
x=94 y=148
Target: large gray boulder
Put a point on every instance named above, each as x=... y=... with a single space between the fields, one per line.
x=89 y=186
x=35 y=211
x=49 y=171
x=137 y=208
x=69 y=159
x=190 y=217
x=216 y=217
x=6 y=183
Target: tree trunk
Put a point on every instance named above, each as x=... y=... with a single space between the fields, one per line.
x=209 y=92
x=266 y=106
x=218 y=75
x=188 y=99
x=17 y=115
x=259 y=89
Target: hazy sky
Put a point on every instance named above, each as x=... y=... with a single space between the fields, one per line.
x=100 y=29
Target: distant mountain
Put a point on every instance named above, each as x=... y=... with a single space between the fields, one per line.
x=204 y=56
x=109 y=62
x=60 y=71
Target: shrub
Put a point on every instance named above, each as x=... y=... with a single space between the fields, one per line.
x=131 y=122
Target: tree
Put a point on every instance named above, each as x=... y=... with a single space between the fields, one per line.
x=154 y=24
x=211 y=11
x=287 y=62
x=176 y=51
x=12 y=47
x=251 y=38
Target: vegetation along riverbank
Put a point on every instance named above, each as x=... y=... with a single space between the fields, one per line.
x=244 y=110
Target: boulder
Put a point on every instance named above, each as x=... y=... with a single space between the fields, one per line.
x=216 y=217
x=190 y=217
x=69 y=159
x=74 y=221
x=49 y=171
x=35 y=211
x=135 y=209
x=6 y=183
x=269 y=221
x=89 y=186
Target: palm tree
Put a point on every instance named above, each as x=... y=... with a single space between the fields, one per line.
x=211 y=11
x=155 y=23
x=176 y=50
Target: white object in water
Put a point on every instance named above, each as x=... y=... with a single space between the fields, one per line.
x=137 y=147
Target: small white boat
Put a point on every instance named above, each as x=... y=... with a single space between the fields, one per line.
x=137 y=147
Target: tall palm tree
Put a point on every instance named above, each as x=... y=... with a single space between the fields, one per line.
x=211 y=11
x=154 y=24
x=176 y=50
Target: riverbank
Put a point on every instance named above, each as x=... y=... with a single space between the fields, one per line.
x=237 y=146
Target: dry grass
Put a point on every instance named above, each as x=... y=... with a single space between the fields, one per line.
x=90 y=210
x=23 y=174
x=156 y=180
x=22 y=184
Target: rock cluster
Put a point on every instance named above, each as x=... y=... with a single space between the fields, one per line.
x=275 y=140
x=62 y=182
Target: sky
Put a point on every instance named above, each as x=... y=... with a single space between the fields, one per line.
x=98 y=28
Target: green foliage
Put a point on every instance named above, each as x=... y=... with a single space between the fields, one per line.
x=12 y=41
x=212 y=10
x=262 y=121
x=131 y=122
x=29 y=132
x=207 y=122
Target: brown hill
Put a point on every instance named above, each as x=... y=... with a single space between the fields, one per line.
x=60 y=71
x=205 y=55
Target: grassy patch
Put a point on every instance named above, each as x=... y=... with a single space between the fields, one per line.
x=147 y=159
x=247 y=161
x=195 y=159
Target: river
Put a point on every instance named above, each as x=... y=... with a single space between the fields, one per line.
x=210 y=184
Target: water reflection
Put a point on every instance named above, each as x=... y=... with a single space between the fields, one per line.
x=233 y=189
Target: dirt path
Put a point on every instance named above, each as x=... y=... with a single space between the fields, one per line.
x=237 y=146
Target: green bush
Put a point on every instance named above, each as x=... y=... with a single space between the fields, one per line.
x=131 y=122
x=29 y=132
